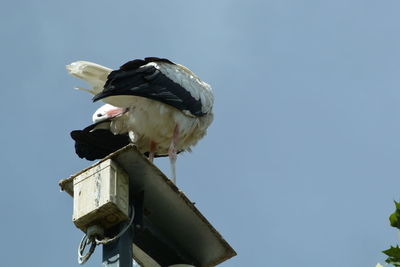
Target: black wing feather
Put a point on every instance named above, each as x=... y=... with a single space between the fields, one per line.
x=133 y=78
x=96 y=144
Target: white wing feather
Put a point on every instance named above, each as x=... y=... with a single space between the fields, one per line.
x=94 y=74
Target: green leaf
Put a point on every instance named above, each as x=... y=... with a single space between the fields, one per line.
x=394 y=256
x=393 y=262
x=393 y=252
x=395 y=216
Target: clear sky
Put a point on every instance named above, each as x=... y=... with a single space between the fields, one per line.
x=301 y=164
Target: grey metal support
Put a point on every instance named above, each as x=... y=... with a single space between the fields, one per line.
x=119 y=252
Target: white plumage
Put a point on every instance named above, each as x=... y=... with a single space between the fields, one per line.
x=164 y=106
x=94 y=74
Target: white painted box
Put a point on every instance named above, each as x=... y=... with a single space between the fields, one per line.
x=101 y=196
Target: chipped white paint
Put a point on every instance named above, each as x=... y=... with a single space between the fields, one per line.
x=101 y=195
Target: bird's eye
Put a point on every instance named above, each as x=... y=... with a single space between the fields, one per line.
x=98 y=114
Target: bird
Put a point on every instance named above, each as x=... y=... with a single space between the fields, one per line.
x=97 y=141
x=164 y=106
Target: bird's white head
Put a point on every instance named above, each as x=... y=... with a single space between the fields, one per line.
x=106 y=112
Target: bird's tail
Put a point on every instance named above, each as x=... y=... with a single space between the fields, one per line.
x=94 y=74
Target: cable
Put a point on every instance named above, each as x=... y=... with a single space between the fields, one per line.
x=108 y=240
x=82 y=245
x=82 y=259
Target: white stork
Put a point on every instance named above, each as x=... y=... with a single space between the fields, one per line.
x=163 y=105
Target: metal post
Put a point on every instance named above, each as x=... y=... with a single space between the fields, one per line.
x=119 y=252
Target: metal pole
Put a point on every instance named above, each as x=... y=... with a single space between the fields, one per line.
x=119 y=252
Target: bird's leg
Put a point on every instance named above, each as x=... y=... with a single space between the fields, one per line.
x=172 y=152
x=152 y=150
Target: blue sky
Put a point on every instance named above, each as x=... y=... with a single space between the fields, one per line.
x=301 y=164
